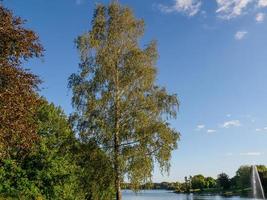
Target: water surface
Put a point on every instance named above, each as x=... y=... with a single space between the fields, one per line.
x=168 y=195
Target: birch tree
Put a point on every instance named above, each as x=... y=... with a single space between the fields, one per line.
x=116 y=99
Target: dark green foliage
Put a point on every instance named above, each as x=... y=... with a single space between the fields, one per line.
x=15 y=182
x=224 y=181
x=96 y=177
x=48 y=171
x=242 y=178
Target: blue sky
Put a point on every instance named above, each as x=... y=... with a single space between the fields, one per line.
x=213 y=54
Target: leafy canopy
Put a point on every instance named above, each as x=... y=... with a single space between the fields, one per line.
x=118 y=103
x=18 y=87
x=48 y=171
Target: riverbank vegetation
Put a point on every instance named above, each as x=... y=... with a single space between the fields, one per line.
x=239 y=184
x=119 y=127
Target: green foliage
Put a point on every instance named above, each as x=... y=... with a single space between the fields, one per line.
x=95 y=172
x=181 y=188
x=198 y=182
x=242 y=177
x=48 y=171
x=52 y=161
x=261 y=168
x=224 y=181
x=14 y=181
x=117 y=102
x=210 y=182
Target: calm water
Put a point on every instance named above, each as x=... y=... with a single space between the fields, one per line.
x=167 y=195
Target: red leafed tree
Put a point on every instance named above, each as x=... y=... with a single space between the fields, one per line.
x=18 y=86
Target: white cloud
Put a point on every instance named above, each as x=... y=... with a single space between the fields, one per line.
x=251 y=154
x=240 y=35
x=200 y=126
x=228 y=9
x=188 y=7
x=232 y=123
x=261 y=129
x=260 y=17
x=262 y=3
x=211 y=131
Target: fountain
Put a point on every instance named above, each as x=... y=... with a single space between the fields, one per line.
x=257 y=189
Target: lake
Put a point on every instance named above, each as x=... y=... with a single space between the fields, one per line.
x=168 y=195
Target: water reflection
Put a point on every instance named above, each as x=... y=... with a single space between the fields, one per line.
x=167 y=195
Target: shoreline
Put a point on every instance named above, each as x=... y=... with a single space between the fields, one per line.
x=227 y=193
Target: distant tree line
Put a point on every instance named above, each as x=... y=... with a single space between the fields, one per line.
x=240 y=184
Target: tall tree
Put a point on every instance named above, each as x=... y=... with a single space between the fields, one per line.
x=18 y=97
x=223 y=181
x=242 y=177
x=117 y=102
